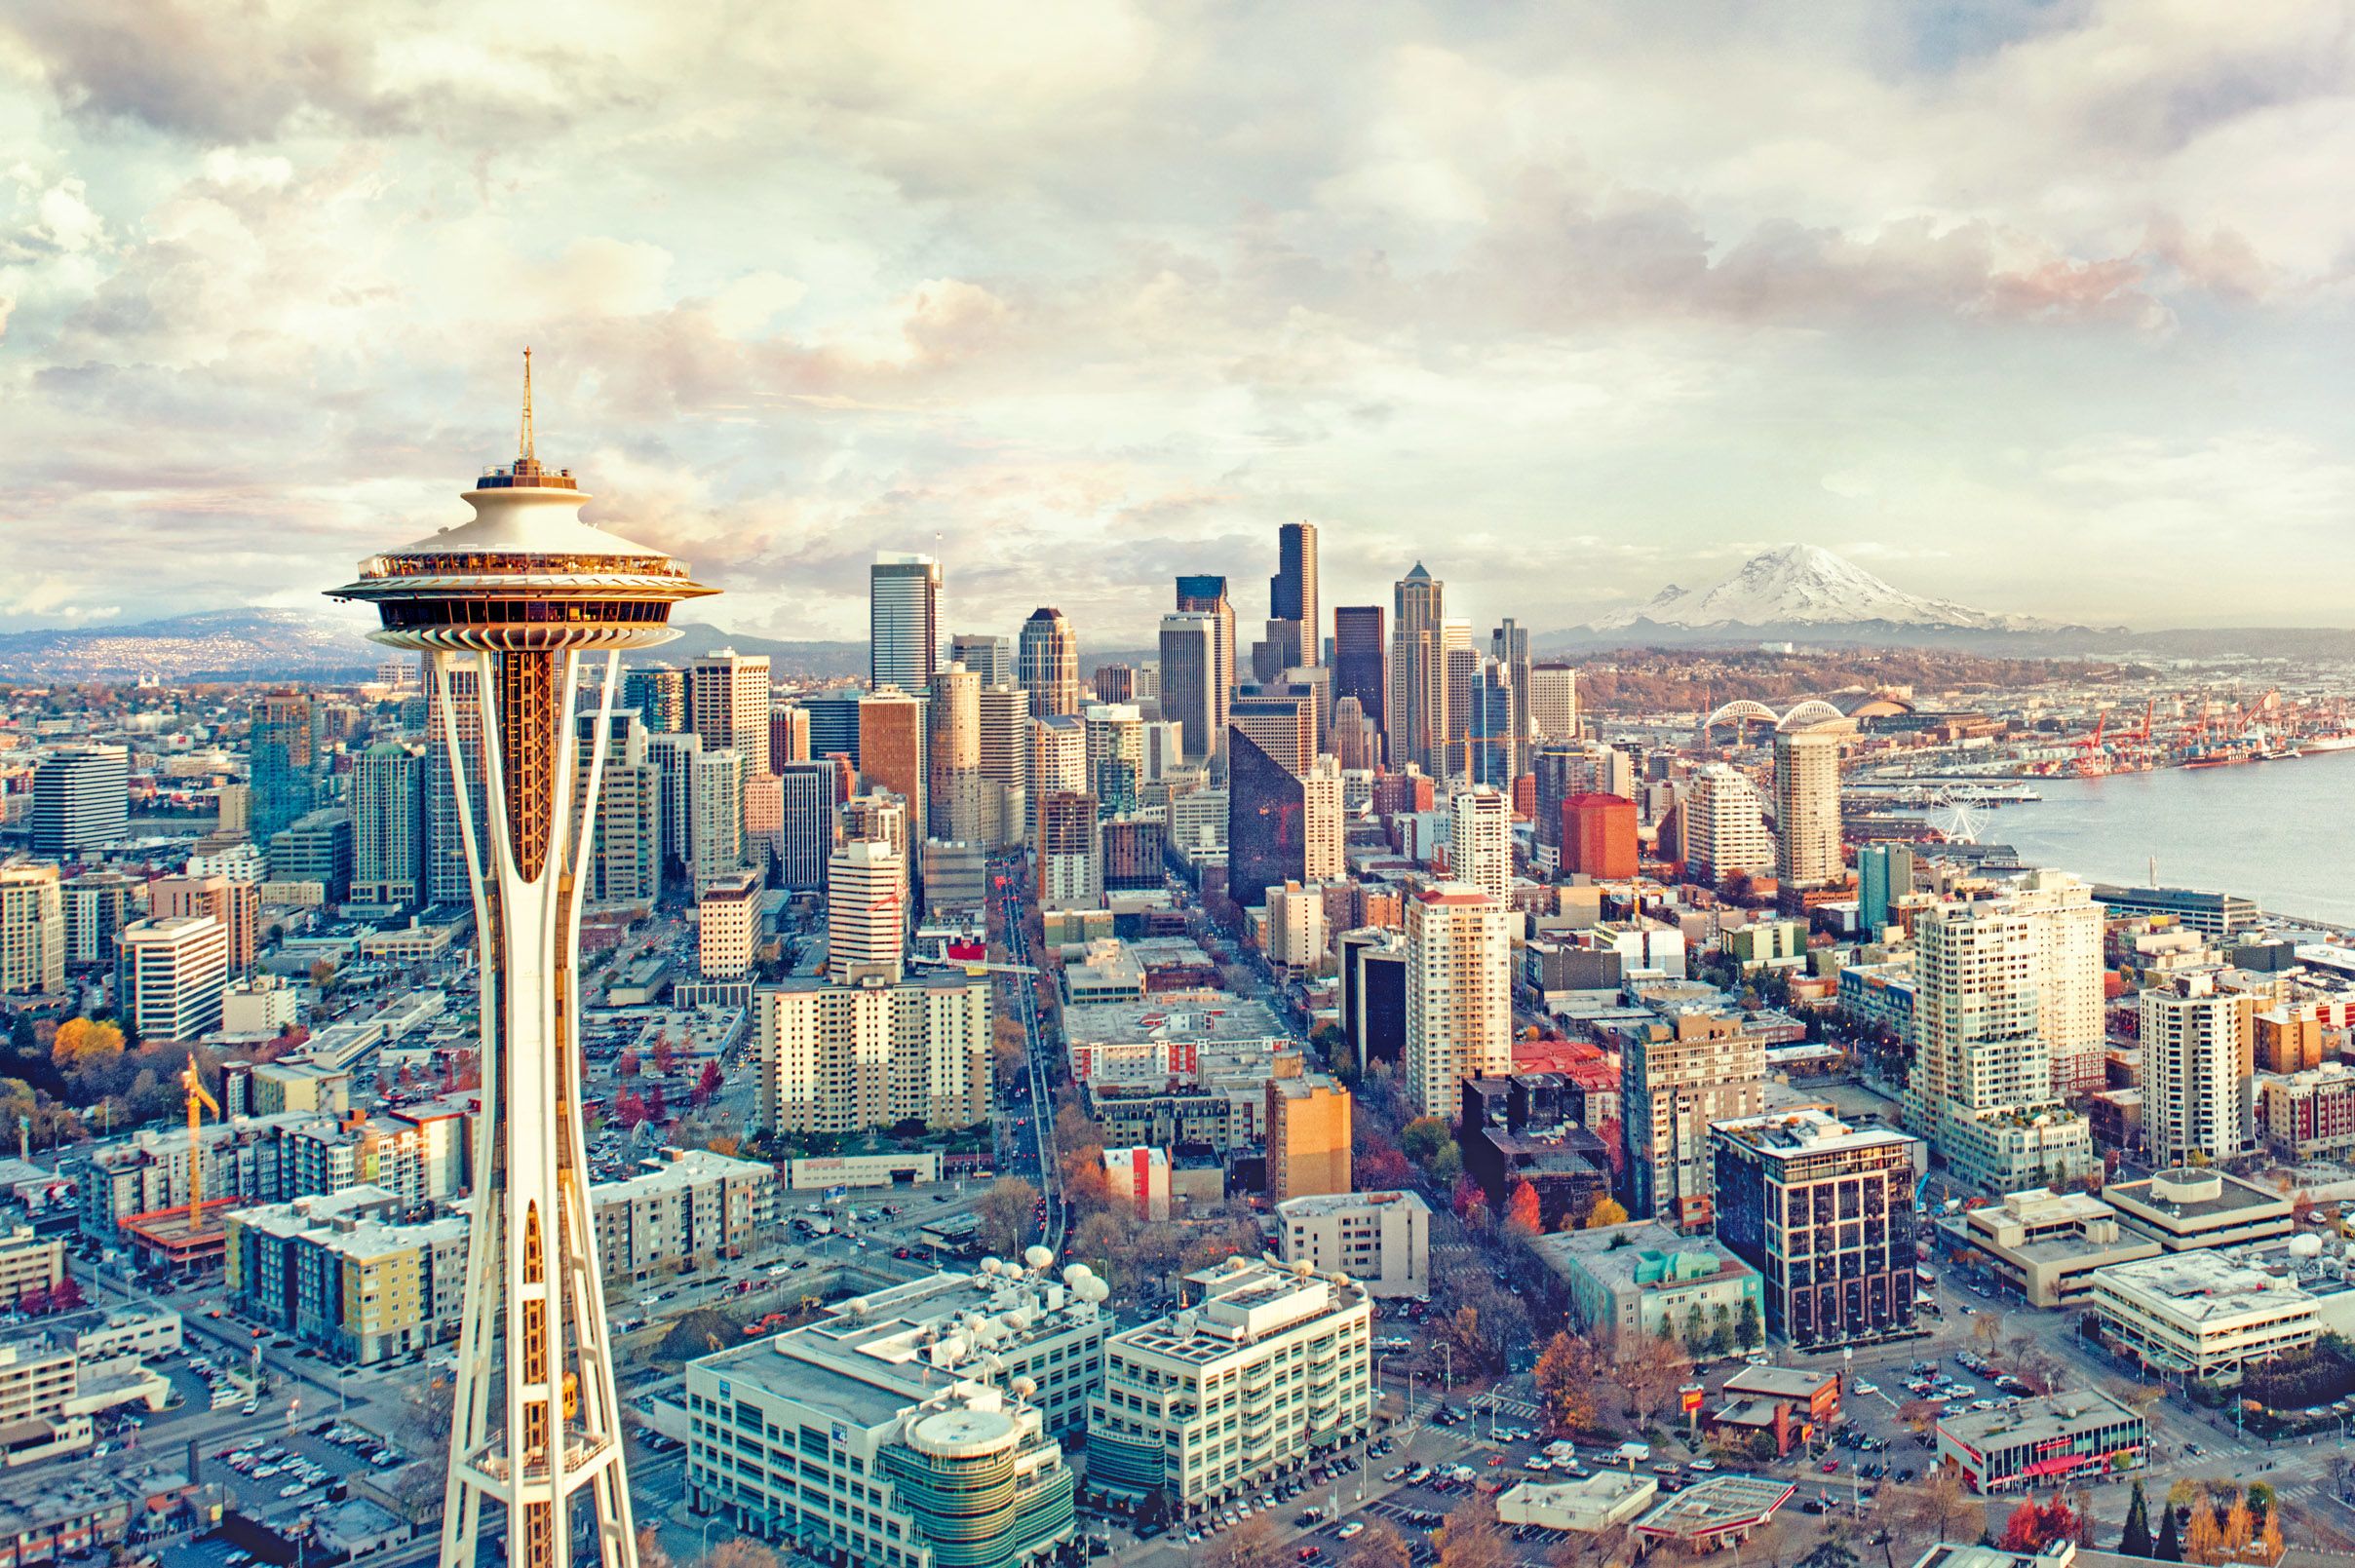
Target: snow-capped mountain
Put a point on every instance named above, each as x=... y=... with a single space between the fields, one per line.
x=1804 y=586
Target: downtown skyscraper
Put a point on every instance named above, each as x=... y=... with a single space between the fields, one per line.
x=539 y=605
x=1047 y=663
x=903 y=622
x=1418 y=673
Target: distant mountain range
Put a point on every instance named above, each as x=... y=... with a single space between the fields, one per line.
x=1797 y=593
x=325 y=644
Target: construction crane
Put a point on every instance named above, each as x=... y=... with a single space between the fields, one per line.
x=197 y=1103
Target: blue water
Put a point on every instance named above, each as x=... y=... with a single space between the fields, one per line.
x=2277 y=832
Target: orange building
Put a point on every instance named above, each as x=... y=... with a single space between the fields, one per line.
x=237 y=905
x=2289 y=1040
x=1307 y=1135
x=1599 y=836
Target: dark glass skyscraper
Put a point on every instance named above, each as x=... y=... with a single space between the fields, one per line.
x=1267 y=821
x=1361 y=659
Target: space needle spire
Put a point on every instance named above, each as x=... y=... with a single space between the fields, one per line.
x=538 y=606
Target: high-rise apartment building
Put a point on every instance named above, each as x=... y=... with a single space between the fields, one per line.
x=715 y=810
x=236 y=904
x=891 y=749
x=1480 y=840
x=81 y=798
x=1047 y=663
x=1460 y=666
x=988 y=656
x=1599 y=837
x=805 y=833
x=1059 y=760
x=1360 y=660
x=388 y=825
x=1725 y=828
x=174 y=973
x=1825 y=1212
x=1459 y=985
x=315 y=847
x=627 y=858
x=1677 y=1076
x=1190 y=693
x=1114 y=736
x=99 y=904
x=453 y=783
x=728 y=704
x=866 y=910
x=32 y=929
x=2199 y=1066
x=903 y=622
x=727 y=927
x=1418 y=673
x=1307 y=1120
x=285 y=760
x=1884 y=873
x=1005 y=743
x=1494 y=752
x=1807 y=807
x=658 y=695
x=788 y=736
x=846 y=1057
x=1069 y=851
x=1281 y=724
x=956 y=791
x=1554 y=702
x=1981 y=1087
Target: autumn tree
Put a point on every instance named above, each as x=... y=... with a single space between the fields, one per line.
x=1472 y=1536
x=663 y=1055
x=1521 y=1209
x=708 y=1084
x=1378 y=1546
x=625 y=1065
x=2203 y=1540
x=2033 y=1526
x=2240 y=1529
x=1250 y=1543
x=1654 y=1372
x=1606 y=1210
x=1005 y=1211
x=1940 y=1507
x=739 y=1551
x=1566 y=1379
x=84 y=1043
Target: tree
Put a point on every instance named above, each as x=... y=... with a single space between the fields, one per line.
x=2033 y=1526
x=2240 y=1528
x=1654 y=1372
x=2167 y=1549
x=1748 y=1330
x=740 y=1551
x=1606 y=1210
x=708 y=1084
x=1250 y=1543
x=1421 y=1138
x=1987 y=1328
x=1472 y=1537
x=1941 y=1507
x=1522 y=1209
x=1829 y=1555
x=81 y=1044
x=1005 y=1211
x=2203 y=1541
x=650 y=1554
x=664 y=1057
x=2135 y=1541
x=1567 y=1378
x=2269 y=1544
x=1378 y=1546
x=625 y=1065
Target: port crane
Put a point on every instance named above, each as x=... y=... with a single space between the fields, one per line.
x=198 y=1101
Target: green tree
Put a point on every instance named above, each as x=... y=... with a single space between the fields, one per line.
x=2167 y=1549
x=1747 y=1329
x=2135 y=1541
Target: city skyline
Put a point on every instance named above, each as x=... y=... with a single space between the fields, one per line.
x=1497 y=290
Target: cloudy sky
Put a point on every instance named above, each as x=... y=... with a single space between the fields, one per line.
x=2039 y=307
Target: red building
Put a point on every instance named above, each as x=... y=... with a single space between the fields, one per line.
x=1396 y=793
x=1599 y=836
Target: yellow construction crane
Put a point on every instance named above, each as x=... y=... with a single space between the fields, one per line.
x=197 y=1103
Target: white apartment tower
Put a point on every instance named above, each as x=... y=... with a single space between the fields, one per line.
x=1807 y=806
x=1724 y=829
x=866 y=909
x=174 y=971
x=1480 y=840
x=2198 y=1071
x=1459 y=981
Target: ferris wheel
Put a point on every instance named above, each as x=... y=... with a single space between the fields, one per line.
x=1956 y=816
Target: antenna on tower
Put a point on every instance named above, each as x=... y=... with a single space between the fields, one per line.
x=523 y=450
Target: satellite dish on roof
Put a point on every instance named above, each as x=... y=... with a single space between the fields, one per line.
x=992 y=1266
x=1038 y=1257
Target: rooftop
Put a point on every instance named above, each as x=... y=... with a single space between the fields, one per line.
x=1651 y=1255
x=1807 y=1132
x=2187 y=1194
x=1324 y=1204
x=1227 y=1019
x=1714 y=1505
x=1779 y=1381
x=2204 y=1286
x=2035 y=1421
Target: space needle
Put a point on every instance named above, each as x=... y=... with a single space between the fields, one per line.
x=538 y=606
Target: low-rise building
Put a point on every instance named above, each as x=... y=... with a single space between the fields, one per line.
x=1527 y=1127
x=2189 y=1209
x=2202 y=1313
x=1059 y=1345
x=1646 y=1279
x=1715 y=1511
x=1381 y=1240
x=690 y=1207
x=2308 y=1114
x=30 y=1262
x=1265 y=1367
x=1139 y=1177
x=339 y=1271
x=2042 y=1442
x=2047 y=1245
x=893 y=1437
x=1589 y=1505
